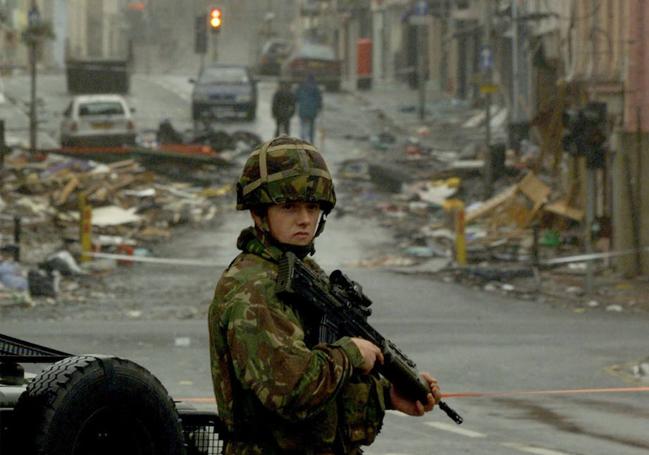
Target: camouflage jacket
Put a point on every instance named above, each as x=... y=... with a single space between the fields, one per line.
x=275 y=394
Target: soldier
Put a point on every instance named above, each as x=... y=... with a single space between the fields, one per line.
x=276 y=392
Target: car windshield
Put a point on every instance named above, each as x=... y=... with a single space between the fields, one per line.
x=276 y=47
x=223 y=76
x=316 y=51
x=101 y=108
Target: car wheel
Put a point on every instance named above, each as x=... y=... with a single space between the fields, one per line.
x=100 y=405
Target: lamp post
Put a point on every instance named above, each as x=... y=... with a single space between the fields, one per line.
x=34 y=19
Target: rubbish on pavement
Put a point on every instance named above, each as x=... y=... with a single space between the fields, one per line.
x=497 y=273
x=113 y=216
x=63 y=262
x=43 y=283
x=11 y=276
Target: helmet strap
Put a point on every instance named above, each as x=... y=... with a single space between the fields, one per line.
x=321 y=224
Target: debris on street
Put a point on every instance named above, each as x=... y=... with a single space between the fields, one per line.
x=132 y=209
x=415 y=177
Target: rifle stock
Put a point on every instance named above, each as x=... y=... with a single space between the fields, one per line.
x=341 y=303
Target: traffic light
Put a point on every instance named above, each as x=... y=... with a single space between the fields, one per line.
x=215 y=19
x=586 y=133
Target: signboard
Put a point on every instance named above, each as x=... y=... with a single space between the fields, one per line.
x=486 y=58
x=421 y=8
x=486 y=89
x=419 y=13
x=418 y=20
x=33 y=16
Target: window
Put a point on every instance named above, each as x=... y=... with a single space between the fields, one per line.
x=101 y=108
x=224 y=75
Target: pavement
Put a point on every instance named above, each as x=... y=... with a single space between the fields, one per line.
x=16 y=120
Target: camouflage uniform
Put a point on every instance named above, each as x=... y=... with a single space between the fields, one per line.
x=276 y=394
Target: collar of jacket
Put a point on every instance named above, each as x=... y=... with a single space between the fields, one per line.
x=256 y=241
x=253 y=240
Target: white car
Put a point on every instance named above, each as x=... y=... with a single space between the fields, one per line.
x=97 y=120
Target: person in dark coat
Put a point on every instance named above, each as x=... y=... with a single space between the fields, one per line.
x=283 y=108
x=309 y=103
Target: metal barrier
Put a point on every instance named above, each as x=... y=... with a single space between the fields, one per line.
x=202 y=432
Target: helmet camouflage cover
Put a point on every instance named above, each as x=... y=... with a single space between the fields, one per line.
x=282 y=170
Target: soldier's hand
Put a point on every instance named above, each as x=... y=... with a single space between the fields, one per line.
x=370 y=352
x=417 y=408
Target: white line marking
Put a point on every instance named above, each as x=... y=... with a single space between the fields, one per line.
x=532 y=449
x=454 y=429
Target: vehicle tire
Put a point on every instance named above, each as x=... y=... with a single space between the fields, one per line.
x=100 y=405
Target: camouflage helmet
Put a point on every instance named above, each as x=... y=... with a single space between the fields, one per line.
x=282 y=170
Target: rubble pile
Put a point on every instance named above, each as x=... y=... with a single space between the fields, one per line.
x=131 y=209
x=414 y=178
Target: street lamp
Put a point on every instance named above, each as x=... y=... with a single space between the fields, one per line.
x=34 y=20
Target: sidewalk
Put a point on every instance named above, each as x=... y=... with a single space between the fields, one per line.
x=16 y=118
x=444 y=116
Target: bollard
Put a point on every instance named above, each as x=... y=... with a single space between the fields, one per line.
x=3 y=144
x=535 y=244
x=85 y=228
x=456 y=209
x=17 y=233
x=460 y=238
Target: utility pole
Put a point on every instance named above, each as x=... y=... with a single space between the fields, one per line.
x=515 y=69
x=419 y=19
x=486 y=61
x=421 y=76
x=34 y=18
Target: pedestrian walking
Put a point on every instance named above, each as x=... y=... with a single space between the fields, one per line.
x=309 y=103
x=278 y=391
x=283 y=108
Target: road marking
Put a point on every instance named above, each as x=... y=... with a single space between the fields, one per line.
x=454 y=429
x=532 y=449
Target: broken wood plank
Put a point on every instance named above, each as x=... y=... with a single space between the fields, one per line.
x=490 y=204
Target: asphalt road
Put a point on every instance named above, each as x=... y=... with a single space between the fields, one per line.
x=471 y=341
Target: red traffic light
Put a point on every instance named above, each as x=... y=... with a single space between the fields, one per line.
x=216 y=18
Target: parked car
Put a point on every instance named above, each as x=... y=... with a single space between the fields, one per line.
x=97 y=120
x=224 y=91
x=273 y=54
x=317 y=59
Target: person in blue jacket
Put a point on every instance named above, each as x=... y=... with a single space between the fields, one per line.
x=309 y=103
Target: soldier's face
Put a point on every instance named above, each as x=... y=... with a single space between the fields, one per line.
x=294 y=223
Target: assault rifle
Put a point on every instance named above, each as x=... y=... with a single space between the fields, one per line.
x=342 y=310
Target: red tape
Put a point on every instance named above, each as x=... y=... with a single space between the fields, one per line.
x=209 y=400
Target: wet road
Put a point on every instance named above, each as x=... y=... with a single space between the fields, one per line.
x=473 y=342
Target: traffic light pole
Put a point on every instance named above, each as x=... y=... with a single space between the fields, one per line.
x=591 y=175
x=33 y=119
x=215 y=48
x=488 y=162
